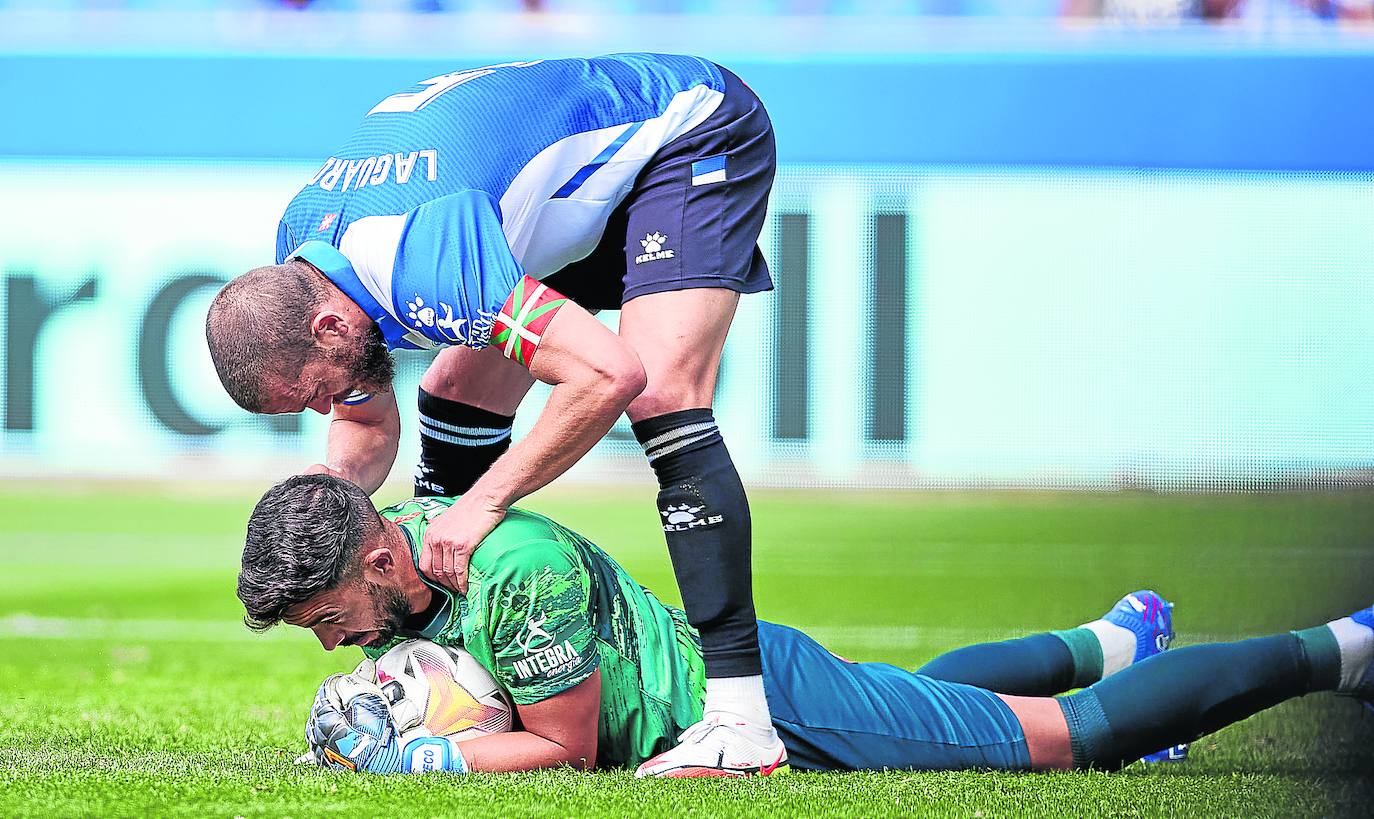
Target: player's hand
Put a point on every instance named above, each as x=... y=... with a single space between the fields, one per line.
x=453 y=536
x=321 y=469
x=351 y=728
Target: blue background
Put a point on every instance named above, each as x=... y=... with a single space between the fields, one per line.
x=1272 y=110
x=1110 y=257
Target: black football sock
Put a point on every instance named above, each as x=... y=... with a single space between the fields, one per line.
x=458 y=442
x=705 y=517
x=1185 y=693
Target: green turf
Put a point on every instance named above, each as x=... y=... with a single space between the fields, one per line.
x=131 y=689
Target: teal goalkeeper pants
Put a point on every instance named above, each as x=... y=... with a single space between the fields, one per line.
x=833 y=714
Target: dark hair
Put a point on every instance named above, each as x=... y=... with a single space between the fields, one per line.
x=303 y=538
x=258 y=326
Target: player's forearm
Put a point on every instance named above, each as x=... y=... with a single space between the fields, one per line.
x=576 y=416
x=362 y=451
x=523 y=751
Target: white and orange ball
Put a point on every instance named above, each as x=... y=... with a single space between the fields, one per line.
x=444 y=689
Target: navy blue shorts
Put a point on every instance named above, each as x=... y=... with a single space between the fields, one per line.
x=693 y=217
x=833 y=714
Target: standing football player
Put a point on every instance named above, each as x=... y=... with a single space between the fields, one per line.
x=487 y=212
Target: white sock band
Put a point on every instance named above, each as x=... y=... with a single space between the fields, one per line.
x=740 y=696
x=1357 y=650
x=1118 y=645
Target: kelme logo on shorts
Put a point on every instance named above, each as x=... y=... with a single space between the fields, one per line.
x=653 y=248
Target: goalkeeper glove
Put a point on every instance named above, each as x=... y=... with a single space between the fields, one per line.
x=352 y=727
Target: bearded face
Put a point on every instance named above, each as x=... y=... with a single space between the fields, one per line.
x=366 y=360
x=389 y=608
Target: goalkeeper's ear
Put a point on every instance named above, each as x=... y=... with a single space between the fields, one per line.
x=379 y=561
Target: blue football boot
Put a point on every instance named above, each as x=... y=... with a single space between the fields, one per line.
x=1177 y=753
x=1364 y=689
x=1149 y=617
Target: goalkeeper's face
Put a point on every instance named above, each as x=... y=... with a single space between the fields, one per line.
x=357 y=613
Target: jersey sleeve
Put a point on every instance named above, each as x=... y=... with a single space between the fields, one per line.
x=537 y=614
x=454 y=269
x=286 y=241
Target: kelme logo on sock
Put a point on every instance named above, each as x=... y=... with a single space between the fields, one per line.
x=681 y=517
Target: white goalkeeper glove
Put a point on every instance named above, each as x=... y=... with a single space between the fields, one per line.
x=353 y=727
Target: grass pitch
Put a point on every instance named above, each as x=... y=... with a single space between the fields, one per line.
x=130 y=688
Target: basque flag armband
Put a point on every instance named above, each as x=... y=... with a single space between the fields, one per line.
x=520 y=325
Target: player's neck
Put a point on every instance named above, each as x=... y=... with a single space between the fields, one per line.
x=418 y=593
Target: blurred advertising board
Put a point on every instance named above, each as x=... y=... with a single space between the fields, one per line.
x=932 y=326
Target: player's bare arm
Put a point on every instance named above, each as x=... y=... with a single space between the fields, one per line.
x=363 y=439
x=595 y=375
x=560 y=730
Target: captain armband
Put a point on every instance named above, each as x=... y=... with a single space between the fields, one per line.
x=524 y=317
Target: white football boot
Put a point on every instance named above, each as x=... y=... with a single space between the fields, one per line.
x=713 y=748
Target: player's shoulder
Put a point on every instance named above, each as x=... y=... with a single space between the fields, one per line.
x=522 y=523
x=412 y=509
x=524 y=540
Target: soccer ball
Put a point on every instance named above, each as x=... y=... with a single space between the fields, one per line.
x=444 y=689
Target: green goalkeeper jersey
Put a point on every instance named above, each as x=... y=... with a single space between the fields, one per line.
x=546 y=608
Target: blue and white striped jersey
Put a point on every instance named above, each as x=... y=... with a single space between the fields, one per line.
x=450 y=192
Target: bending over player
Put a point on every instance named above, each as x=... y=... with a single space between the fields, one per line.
x=459 y=216
x=604 y=674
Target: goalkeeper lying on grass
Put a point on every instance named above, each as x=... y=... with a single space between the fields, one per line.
x=603 y=674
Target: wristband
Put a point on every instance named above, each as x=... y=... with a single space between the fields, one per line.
x=432 y=754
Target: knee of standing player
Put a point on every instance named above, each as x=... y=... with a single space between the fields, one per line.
x=670 y=392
